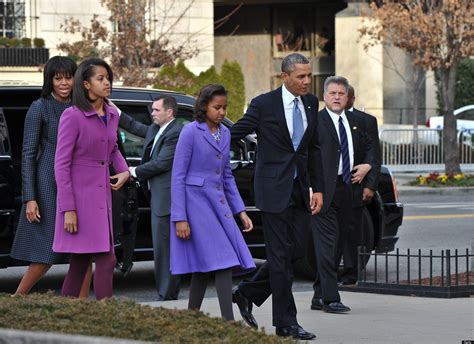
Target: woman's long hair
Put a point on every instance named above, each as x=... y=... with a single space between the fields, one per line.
x=84 y=72
x=56 y=65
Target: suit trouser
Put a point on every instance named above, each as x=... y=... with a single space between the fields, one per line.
x=167 y=284
x=352 y=241
x=285 y=237
x=326 y=229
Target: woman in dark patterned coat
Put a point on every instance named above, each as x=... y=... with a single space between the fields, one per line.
x=35 y=232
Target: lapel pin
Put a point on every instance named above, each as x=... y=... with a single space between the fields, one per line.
x=309 y=107
x=354 y=128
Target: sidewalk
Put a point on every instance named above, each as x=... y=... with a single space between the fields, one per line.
x=374 y=318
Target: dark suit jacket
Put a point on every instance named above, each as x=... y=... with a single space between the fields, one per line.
x=156 y=169
x=331 y=151
x=372 y=179
x=276 y=158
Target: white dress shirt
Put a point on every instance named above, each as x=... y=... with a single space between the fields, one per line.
x=288 y=104
x=335 y=120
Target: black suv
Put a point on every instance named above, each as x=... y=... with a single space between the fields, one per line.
x=131 y=209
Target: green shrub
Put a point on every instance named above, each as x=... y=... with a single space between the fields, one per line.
x=179 y=78
x=233 y=80
x=122 y=319
x=13 y=42
x=465 y=84
x=25 y=42
x=3 y=42
x=38 y=42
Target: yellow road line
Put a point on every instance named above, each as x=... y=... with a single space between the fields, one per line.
x=446 y=216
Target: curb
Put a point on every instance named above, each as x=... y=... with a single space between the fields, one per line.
x=29 y=337
x=422 y=190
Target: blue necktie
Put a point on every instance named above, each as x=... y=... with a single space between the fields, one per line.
x=346 y=162
x=298 y=127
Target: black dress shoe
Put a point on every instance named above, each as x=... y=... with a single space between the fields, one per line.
x=295 y=331
x=335 y=307
x=316 y=304
x=245 y=307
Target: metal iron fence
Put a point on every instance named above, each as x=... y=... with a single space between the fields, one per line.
x=421 y=150
x=422 y=273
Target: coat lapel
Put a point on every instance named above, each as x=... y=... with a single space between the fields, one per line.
x=330 y=125
x=208 y=137
x=354 y=128
x=279 y=111
x=151 y=136
x=309 y=118
x=160 y=139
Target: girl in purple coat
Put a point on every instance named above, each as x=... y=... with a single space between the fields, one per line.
x=87 y=144
x=204 y=199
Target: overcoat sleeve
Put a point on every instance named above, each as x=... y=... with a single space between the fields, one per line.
x=248 y=123
x=230 y=189
x=31 y=143
x=182 y=159
x=68 y=133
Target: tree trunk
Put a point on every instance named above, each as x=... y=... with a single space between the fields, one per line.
x=450 y=141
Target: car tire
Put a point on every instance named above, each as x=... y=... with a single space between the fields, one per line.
x=305 y=267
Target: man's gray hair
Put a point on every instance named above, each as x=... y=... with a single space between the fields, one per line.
x=288 y=63
x=340 y=80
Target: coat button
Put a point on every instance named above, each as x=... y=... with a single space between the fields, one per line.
x=218 y=187
x=218 y=172
x=101 y=162
x=222 y=201
x=219 y=156
x=228 y=215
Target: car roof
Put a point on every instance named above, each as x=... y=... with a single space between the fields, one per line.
x=132 y=94
x=463 y=109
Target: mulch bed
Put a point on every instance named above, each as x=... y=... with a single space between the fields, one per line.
x=462 y=279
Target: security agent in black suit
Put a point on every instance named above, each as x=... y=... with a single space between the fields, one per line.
x=362 y=194
x=345 y=148
x=154 y=173
x=288 y=163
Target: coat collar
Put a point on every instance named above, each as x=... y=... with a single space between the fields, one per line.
x=279 y=111
x=208 y=136
x=109 y=111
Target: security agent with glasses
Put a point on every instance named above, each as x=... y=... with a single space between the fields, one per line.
x=347 y=155
x=288 y=163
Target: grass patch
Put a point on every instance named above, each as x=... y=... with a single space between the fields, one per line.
x=440 y=180
x=122 y=319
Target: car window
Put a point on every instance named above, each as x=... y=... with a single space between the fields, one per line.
x=468 y=115
x=132 y=144
x=4 y=141
x=185 y=116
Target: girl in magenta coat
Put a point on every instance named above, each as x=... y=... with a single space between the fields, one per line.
x=204 y=200
x=87 y=144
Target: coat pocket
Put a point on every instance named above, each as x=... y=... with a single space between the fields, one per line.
x=194 y=180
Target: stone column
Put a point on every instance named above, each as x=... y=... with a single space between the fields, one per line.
x=363 y=69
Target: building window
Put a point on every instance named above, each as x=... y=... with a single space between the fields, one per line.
x=12 y=18
x=292 y=30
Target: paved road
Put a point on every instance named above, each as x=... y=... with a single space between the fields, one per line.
x=431 y=222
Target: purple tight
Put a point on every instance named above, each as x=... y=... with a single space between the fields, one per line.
x=103 y=275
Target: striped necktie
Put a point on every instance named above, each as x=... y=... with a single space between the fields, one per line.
x=346 y=163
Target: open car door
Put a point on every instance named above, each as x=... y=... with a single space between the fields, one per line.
x=125 y=220
x=7 y=199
